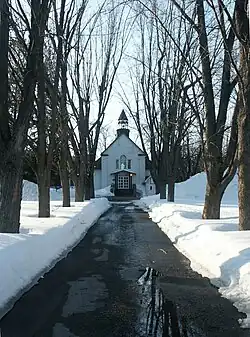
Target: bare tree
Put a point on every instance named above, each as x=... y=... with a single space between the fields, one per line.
x=216 y=45
x=14 y=129
x=161 y=91
x=97 y=62
x=238 y=21
x=68 y=25
x=106 y=135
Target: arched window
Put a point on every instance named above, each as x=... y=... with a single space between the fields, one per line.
x=123 y=162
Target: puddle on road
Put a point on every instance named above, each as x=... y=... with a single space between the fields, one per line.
x=85 y=295
x=130 y=208
x=159 y=317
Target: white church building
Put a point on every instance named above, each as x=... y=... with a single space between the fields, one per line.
x=123 y=165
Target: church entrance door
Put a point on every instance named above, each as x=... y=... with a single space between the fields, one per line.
x=123 y=184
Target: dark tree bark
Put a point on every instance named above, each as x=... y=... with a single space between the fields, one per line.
x=43 y=172
x=12 y=140
x=64 y=172
x=171 y=189
x=242 y=26
x=89 y=186
x=44 y=194
x=76 y=168
x=64 y=175
x=163 y=191
x=79 y=189
x=10 y=194
x=212 y=204
x=4 y=47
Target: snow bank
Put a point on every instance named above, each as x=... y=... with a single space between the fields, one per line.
x=25 y=257
x=104 y=192
x=194 y=189
x=215 y=248
x=30 y=192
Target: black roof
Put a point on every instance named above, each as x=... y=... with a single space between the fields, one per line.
x=123 y=116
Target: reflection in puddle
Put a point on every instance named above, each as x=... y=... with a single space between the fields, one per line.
x=130 y=208
x=60 y=330
x=159 y=317
x=85 y=295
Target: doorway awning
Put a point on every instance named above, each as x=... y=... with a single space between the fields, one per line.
x=124 y=170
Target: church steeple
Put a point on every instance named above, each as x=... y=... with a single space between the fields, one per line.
x=123 y=125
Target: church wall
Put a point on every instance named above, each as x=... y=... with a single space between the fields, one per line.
x=106 y=180
x=141 y=170
x=122 y=146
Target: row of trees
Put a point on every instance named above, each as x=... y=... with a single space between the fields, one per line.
x=58 y=61
x=188 y=96
x=190 y=80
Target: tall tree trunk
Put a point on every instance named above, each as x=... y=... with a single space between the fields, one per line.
x=4 y=47
x=92 y=187
x=42 y=170
x=64 y=144
x=11 y=177
x=243 y=172
x=242 y=25
x=163 y=190
x=79 y=189
x=87 y=187
x=212 y=203
x=244 y=147
x=77 y=174
x=157 y=188
x=43 y=195
x=64 y=175
x=171 y=189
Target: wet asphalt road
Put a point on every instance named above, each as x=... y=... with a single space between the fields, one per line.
x=124 y=278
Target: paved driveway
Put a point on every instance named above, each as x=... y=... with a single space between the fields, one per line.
x=125 y=278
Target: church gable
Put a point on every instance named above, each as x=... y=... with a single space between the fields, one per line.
x=122 y=139
x=121 y=144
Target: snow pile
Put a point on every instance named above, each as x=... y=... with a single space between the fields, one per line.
x=30 y=192
x=104 y=192
x=215 y=248
x=194 y=189
x=25 y=257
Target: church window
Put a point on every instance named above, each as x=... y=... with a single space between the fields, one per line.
x=129 y=164
x=117 y=164
x=123 y=162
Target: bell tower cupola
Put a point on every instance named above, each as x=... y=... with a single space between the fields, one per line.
x=123 y=125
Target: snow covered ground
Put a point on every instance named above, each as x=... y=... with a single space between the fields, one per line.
x=215 y=248
x=30 y=192
x=25 y=257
